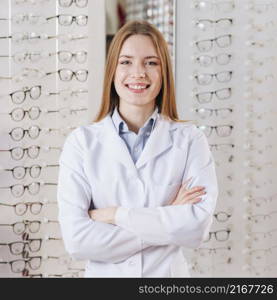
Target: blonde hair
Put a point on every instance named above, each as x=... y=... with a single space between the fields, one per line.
x=166 y=98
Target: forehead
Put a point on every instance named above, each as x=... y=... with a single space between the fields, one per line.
x=139 y=45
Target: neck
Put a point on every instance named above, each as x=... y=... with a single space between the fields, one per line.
x=135 y=116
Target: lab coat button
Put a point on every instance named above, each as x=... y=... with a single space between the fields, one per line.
x=131 y=263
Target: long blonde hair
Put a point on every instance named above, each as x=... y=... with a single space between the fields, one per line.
x=166 y=98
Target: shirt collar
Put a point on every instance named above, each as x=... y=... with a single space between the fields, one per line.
x=121 y=125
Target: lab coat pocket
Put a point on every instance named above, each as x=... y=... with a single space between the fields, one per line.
x=179 y=266
x=104 y=270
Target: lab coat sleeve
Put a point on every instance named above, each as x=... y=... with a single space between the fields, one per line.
x=84 y=238
x=183 y=225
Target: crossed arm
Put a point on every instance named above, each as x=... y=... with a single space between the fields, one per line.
x=184 y=196
x=92 y=235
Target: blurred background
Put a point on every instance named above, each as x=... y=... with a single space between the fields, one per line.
x=52 y=59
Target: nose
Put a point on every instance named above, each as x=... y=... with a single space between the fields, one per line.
x=138 y=71
x=141 y=75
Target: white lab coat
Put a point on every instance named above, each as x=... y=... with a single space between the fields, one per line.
x=148 y=238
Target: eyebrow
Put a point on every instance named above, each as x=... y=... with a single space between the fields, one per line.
x=146 y=57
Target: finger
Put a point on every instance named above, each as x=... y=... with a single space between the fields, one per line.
x=196 y=200
x=186 y=182
x=188 y=196
x=194 y=190
x=193 y=196
x=193 y=201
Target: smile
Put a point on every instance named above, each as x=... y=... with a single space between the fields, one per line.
x=137 y=88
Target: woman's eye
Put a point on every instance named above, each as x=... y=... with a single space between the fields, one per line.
x=125 y=62
x=152 y=63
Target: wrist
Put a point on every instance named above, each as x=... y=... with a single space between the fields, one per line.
x=105 y=215
x=111 y=215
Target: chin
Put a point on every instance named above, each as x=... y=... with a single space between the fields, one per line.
x=139 y=102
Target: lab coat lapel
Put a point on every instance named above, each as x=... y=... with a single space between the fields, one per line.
x=159 y=141
x=118 y=149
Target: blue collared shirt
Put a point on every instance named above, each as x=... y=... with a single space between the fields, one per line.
x=134 y=142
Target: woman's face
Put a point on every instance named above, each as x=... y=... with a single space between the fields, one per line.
x=138 y=78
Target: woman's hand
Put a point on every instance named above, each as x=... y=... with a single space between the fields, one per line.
x=105 y=215
x=188 y=196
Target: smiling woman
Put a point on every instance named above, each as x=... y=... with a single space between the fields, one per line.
x=137 y=54
x=138 y=184
x=138 y=77
x=132 y=69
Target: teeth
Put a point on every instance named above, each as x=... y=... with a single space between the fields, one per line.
x=137 y=87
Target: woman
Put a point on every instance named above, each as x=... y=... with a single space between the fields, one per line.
x=138 y=184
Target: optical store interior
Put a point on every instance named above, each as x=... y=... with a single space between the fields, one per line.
x=52 y=67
